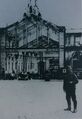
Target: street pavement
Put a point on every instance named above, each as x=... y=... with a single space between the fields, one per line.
x=36 y=99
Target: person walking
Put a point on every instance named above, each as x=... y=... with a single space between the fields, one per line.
x=69 y=86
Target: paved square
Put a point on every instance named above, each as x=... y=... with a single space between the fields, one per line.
x=36 y=99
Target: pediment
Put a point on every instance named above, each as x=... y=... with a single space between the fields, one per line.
x=42 y=42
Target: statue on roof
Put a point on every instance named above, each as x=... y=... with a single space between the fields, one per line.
x=33 y=10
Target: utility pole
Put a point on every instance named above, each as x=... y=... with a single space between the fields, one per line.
x=48 y=34
x=64 y=46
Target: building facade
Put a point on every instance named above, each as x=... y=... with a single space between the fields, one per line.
x=32 y=45
x=73 y=50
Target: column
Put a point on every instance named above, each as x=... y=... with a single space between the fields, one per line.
x=61 y=49
x=10 y=64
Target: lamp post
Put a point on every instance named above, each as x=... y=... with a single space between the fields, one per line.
x=64 y=46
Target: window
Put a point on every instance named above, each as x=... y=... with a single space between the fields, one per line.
x=24 y=33
x=31 y=65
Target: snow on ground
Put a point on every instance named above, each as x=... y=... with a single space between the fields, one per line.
x=36 y=99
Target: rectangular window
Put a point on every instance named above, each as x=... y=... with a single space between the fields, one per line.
x=31 y=65
x=24 y=33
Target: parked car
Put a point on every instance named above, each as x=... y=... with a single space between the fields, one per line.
x=22 y=76
x=10 y=76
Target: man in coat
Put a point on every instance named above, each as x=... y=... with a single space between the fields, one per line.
x=69 y=86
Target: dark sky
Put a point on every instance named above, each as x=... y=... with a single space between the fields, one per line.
x=60 y=12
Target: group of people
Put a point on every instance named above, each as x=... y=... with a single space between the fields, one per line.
x=69 y=87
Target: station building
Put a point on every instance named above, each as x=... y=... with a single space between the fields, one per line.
x=32 y=44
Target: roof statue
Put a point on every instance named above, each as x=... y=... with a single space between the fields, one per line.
x=32 y=9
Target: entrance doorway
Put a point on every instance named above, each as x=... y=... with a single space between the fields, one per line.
x=41 y=68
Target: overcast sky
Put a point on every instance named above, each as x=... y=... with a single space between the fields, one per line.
x=60 y=12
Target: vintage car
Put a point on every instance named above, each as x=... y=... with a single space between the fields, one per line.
x=22 y=76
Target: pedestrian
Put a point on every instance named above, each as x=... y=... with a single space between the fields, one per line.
x=3 y=74
x=29 y=75
x=69 y=86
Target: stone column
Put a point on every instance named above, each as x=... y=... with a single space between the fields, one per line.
x=61 y=49
x=14 y=62
x=7 y=63
x=20 y=61
x=10 y=64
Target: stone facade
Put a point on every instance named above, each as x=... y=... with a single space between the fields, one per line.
x=73 y=51
x=32 y=45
